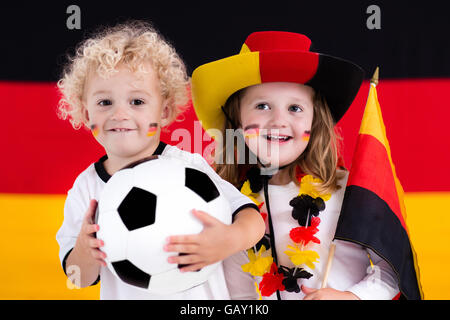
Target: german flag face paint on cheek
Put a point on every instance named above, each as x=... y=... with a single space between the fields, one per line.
x=306 y=135
x=94 y=130
x=251 y=131
x=153 y=127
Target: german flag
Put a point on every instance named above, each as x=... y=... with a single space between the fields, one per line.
x=373 y=212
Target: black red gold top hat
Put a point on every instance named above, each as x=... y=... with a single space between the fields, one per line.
x=273 y=56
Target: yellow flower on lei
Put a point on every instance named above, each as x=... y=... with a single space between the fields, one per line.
x=307 y=186
x=299 y=257
x=246 y=190
x=258 y=265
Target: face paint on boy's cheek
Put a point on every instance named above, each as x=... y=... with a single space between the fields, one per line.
x=251 y=131
x=306 y=135
x=152 y=129
x=94 y=130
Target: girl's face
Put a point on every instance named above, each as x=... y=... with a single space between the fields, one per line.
x=276 y=118
x=125 y=112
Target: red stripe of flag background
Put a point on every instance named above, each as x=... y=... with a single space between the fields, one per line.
x=43 y=154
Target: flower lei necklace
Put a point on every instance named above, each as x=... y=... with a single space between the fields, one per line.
x=306 y=208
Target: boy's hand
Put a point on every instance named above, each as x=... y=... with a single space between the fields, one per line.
x=327 y=294
x=87 y=245
x=209 y=246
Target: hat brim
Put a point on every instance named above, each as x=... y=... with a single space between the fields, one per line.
x=213 y=83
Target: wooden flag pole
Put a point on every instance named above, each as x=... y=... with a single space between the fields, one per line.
x=328 y=266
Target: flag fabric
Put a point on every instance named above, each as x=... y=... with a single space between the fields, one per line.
x=373 y=212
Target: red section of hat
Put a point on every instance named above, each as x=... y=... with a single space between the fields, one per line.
x=277 y=40
x=287 y=66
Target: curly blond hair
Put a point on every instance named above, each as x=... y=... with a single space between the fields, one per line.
x=132 y=44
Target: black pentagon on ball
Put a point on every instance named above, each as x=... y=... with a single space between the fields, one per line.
x=131 y=274
x=138 y=209
x=201 y=184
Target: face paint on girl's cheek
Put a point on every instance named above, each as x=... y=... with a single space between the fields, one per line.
x=251 y=131
x=94 y=130
x=153 y=127
x=306 y=135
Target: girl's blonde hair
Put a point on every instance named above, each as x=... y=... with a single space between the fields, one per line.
x=319 y=159
x=133 y=44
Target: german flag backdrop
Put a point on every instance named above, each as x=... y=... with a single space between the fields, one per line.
x=41 y=155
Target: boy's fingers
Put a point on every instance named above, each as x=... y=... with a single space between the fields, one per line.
x=91 y=228
x=205 y=218
x=101 y=262
x=184 y=259
x=193 y=267
x=96 y=243
x=90 y=213
x=185 y=248
x=189 y=238
x=97 y=254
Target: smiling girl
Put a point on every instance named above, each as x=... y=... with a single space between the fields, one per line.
x=287 y=99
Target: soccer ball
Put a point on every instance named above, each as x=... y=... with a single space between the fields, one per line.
x=144 y=203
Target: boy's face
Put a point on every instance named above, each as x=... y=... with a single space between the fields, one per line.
x=126 y=111
x=277 y=119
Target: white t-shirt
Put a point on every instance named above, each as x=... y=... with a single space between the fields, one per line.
x=89 y=184
x=350 y=269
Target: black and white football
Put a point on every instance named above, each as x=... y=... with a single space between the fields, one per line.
x=140 y=206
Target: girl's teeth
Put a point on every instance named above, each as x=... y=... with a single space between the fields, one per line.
x=277 y=138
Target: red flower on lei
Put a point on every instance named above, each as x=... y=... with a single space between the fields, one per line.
x=271 y=281
x=305 y=235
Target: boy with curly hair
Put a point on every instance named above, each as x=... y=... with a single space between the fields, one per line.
x=125 y=84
